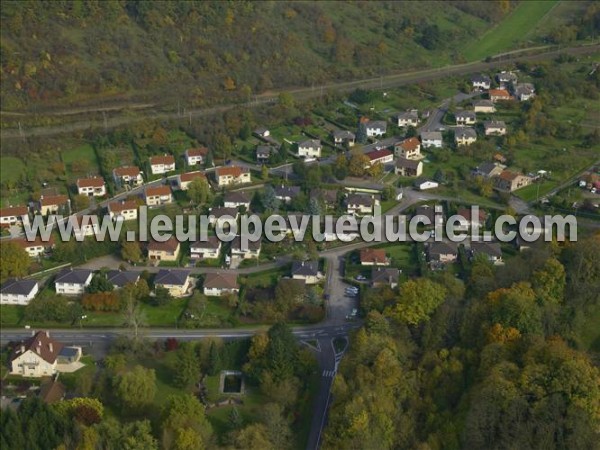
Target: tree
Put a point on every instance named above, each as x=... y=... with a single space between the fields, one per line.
x=187 y=366
x=15 y=261
x=269 y=200
x=99 y=283
x=133 y=316
x=162 y=296
x=222 y=145
x=135 y=389
x=185 y=412
x=282 y=352
x=388 y=192
x=286 y=100
x=358 y=164
x=214 y=359
x=264 y=173
x=81 y=202
x=199 y=191
x=418 y=300
x=549 y=282
x=131 y=251
x=254 y=436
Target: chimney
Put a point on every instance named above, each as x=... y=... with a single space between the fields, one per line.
x=32 y=332
x=47 y=332
x=22 y=348
x=51 y=347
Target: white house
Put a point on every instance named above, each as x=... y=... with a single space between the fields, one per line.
x=484 y=106
x=361 y=204
x=524 y=91
x=423 y=185
x=236 y=199
x=408 y=167
x=231 y=175
x=123 y=210
x=506 y=79
x=464 y=135
x=286 y=194
x=18 y=292
x=14 y=215
x=251 y=251
x=162 y=164
x=158 y=195
x=491 y=250
x=221 y=216
x=35 y=248
x=263 y=153
x=481 y=82
x=383 y=156
x=121 y=278
x=308 y=271
x=220 y=283
x=341 y=137
x=131 y=176
x=72 y=281
x=494 y=128
x=408 y=118
x=195 y=156
x=311 y=148
x=176 y=281
x=93 y=187
x=431 y=139
x=53 y=204
x=262 y=132
x=209 y=249
x=84 y=226
x=184 y=179
x=409 y=148
x=375 y=128
x=465 y=117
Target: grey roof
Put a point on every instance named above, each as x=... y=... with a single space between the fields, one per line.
x=384 y=275
x=286 y=191
x=524 y=88
x=343 y=134
x=486 y=167
x=409 y=115
x=483 y=102
x=480 y=78
x=505 y=77
x=261 y=130
x=494 y=124
x=327 y=195
x=223 y=211
x=212 y=242
x=377 y=124
x=426 y=211
x=442 y=248
x=237 y=197
x=236 y=244
x=264 y=150
x=74 y=276
x=466 y=114
x=174 y=277
x=467 y=132
x=407 y=163
x=122 y=277
x=359 y=199
x=431 y=136
x=487 y=248
x=306 y=268
x=18 y=287
x=312 y=143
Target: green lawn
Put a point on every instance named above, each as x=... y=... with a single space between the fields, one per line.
x=510 y=32
x=11 y=168
x=84 y=152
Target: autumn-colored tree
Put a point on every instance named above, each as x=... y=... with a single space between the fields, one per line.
x=15 y=260
x=81 y=202
x=358 y=164
x=417 y=301
x=550 y=281
x=131 y=251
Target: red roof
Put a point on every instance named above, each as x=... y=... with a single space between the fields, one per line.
x=153 y=191
x=184 y=177
x=127 y=171
x=165 y=160
x=122 y=206
x=503 y=93
x=13 y=211
x=199 y=151
x=233 y=171
x=40 y=344
x=372 y=255
x=410 y=144
x=94 y=182
x=466 y=213
x=37 y=242
x=53 y=200
x=169 y=245
x=378 y=154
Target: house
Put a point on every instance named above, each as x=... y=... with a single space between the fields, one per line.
x=382 y=156
x=123 y=210
x=92 y=187
x=72 y=281
x=343 y=137
x=408 y=119
x=158 y=195
x=373 y=257
x=484 y=106
x=236 y=199
x=14 y=215
x=176 y=281
x=311 y=148
x=52 y=391
x=465 y=117
x=500 y=158
x=329 y=197
x=509 y=181
x=427 y=211
x=408 y=167
x=221 y=216
x=184 y=179
x=423 y=185
x=431 y=139
x=467 y=214
x=252 y=250
x=409 y=148
x=488 y=170
x=375 y=128
x=162 y=164
x=262 y=132
x=220 y=283
x=506 y=79
x=524 y=91
x=464 y=135
x=481 y=82
x=18 y=292
x=209 y=249
x=384 y=276
x=498 y=95
x=40 y=356
x=491 y=250
x=194 y=156
x=55 y=204
x=84 y=226
x=307 y=271
x=35 y=248
x=230 y=175
x=164 y=251
x=494 y=128
x=263 y=153
x=129 y=176
x=286 y=193
x=361 y=204
x=121 y=278
x=440 y=253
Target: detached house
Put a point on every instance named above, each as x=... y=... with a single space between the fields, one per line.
x=409 y=148
x=263 y=153
x=123 y=210
x=471 y=219
x=509 y=181
x=524 y=91
x=93 y=187
x=506 y=79
x=465 y=117
x=491 y=250
x=14 y=215
x=84 y=226
x=195 y=156
x=176 y=281
x=72 y=281
x=262 y=132
x=236 y=199
x=252 y=250
x=408 y=167
x=373 y=257
x=360 y=204
x=35 y=248
x=130 y=176
x=384 y=276
x=481 y=82
x=286 y=194
x=375 y=128
x=55 y=204
x=228 y=176
x=382 y=156
x=408 y=119
x=489 y=170
x=221 y=216
x=18 y=292
x=220 y=283
x=164 y=251
x=427 y=211
x=121 y=278
x=484 y=106
x=432 y=139
x=209 y=249
x=440 y=253
x=311 y=148
x=162 y=164
x=184 y=179
x=343 y=137
x=494 y=128
x=499 y=95
x=464 y=136
x=308 y=271
x=158 y=195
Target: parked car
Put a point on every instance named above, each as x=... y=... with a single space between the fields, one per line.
x=360 y=278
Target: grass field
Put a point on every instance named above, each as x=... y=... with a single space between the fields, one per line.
x=510 y=32
x=11 y=168
x=85 y=153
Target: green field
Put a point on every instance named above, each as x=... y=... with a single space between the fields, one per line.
x=11 y=168
x=85 y=153
x=510 y=32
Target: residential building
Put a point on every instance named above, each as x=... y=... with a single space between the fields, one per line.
x=222 y=216
x=409 y=148
x=484 y=106
x=123 y=210
x=286 y=194
x=464 y=135
x=121 y=278
x=373 y=257
x=14 y=215
x=262 y=132
x=408 y=167
x=220 y=283
x=498 y=95
x=360 y=204
x=343 y=137
x=162 y=164
x=55 y=204
x=423 y=185
x=209 y=249
x=250 y=251
x=375 y=128
x=263 y=153
x=164 y=251
x=408 y=118
x=40 y=356
x=232 y=175
x=177 y=281
x=329 y=197
x=465 y=117
x=194 y=156
x=440 y=253
x=509 y=181
x=494 y=128
x=384 y=276
x=489 y=169
x=383 y=156
x=431 y=139
x=506 y=79
x=158 y=195
x=310 y=148
x=428 y=212
x=127 y=176
x=481 y=82
x=92 y=187
x=84 y=226
x=308 y=271
x=491 y=250
x=524 y=91
x=35 y=248
x=184 y=179
x=471 y=219
x=72 y=281
x=236 y=199
x=18 y=292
